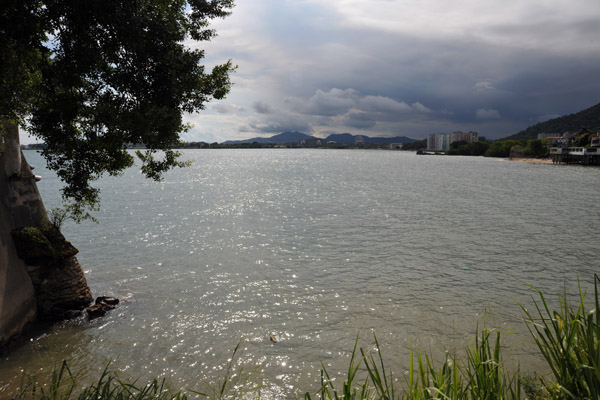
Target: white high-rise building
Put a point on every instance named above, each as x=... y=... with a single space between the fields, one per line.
x=442 y=141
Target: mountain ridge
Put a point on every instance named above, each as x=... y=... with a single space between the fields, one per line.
x=344 y=138
x=588 y=118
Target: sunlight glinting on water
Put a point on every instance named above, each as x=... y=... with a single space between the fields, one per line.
x=312 y=247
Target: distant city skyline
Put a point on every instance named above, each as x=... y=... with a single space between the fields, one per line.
x=400 y=68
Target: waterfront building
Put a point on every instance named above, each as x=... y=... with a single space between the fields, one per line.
x=442 y=141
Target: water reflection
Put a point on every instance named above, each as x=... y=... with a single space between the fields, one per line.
x=315 y=247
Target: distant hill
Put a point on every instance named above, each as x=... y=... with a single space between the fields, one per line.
x=347 y=138
x=388 y=140
x=282 y=138
x=589 y=118
x=344 y=138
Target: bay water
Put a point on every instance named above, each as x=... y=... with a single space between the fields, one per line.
x=314 y=247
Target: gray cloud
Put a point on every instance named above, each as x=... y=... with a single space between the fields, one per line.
x=333 y=102
x=413 y=68
x=262 y=108
x=487 y=114
x=276 y=123
x=359 y=120
x=224 y=108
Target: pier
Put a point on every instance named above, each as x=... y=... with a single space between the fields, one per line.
x=575 y=155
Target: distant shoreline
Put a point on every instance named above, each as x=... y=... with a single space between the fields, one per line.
x=531 y=160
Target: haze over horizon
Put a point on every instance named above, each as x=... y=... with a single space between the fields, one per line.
x=400 y=68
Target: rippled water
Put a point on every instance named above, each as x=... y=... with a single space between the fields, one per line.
x=315 y=246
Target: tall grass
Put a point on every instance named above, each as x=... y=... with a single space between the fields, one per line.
x=568 y=340
x=64 y=386
x=477 y=376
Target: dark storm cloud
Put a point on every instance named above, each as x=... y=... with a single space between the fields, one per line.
x=359 y=120
x=414 y=67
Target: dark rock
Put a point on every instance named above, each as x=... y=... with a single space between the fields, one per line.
x=32 y=245
x=112 y=301
x=62 y=290
x=62 y=247
x=98 y=310
x=72 y=314
x=102 y=305
x=42 y=246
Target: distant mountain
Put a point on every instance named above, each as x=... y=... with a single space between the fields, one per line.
x=388 y=140
x=344 y=138
x=589 y=118
x=282 y=138
x=347 y=138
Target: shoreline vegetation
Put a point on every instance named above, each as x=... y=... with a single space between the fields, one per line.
x=530 y=150
x=567 y=339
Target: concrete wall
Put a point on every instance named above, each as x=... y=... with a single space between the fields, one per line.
x=20 y=205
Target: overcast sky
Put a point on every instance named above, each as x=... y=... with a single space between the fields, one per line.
x=401 y=67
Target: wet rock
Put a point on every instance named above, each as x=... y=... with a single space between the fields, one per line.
x=103 y=305
x=112 y=301
x=61 y=289
x=98 y=310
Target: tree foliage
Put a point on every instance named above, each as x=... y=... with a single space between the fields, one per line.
x=583 y=138
x=589 y=117
x=88 y=77
x=501 y=148
x=469 y=149
x=536 y=148
x=418 y=145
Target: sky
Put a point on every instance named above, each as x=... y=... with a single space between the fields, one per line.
x=400 y=67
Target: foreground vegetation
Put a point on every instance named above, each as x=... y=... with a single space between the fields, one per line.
x=567 y=338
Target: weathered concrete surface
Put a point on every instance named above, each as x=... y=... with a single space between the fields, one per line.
x=17 y=298
x=46 y=284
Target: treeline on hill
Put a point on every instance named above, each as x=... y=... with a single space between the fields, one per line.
x=499 y=148
x=418 y=145
x=502 y=148
x=589 y=118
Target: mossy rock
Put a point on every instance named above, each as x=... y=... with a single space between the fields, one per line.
x=40 y=246
x=62 y=247
x=32 y=245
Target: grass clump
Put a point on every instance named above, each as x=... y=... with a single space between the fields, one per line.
x=568 y=340
x=478 y=376
x=64 y=386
